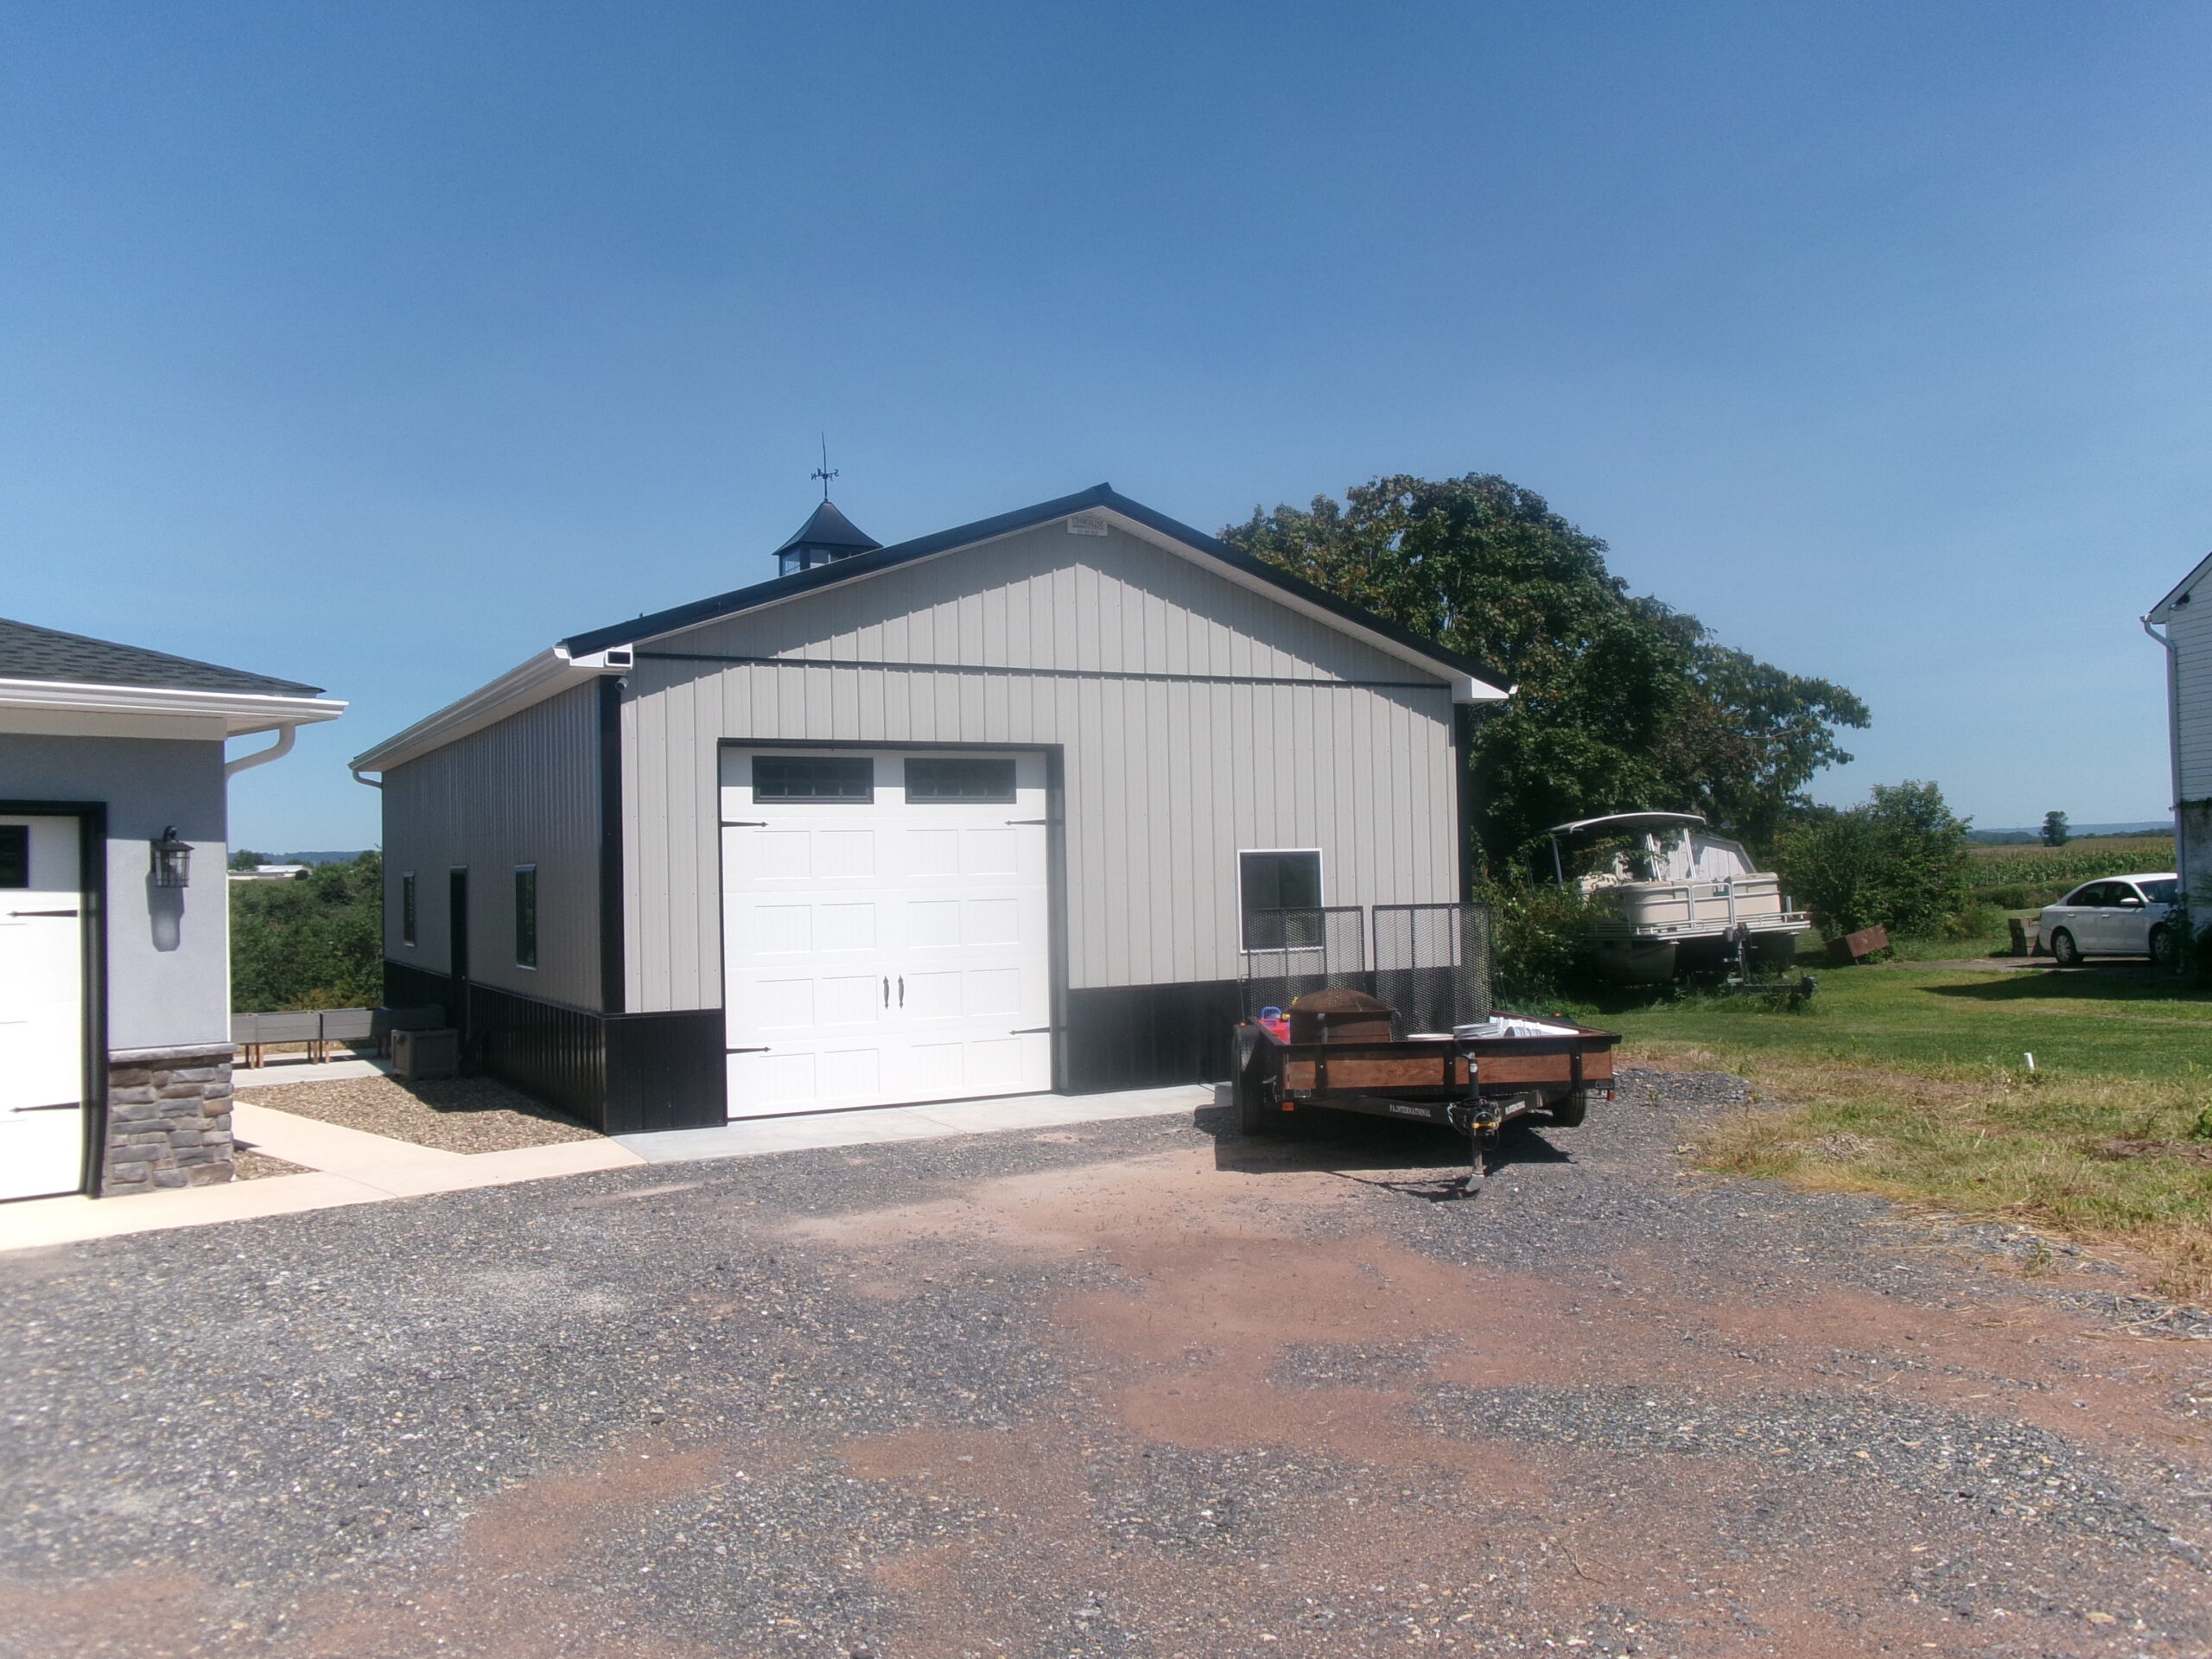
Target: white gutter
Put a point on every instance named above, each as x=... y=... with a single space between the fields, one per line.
x=242 y=713
x=262 y=756
x=2173 y=749
x=546 y=675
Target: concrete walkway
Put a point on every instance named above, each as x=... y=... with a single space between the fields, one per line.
x=751 y=1136
x=301 y=1071
x=350 y=1167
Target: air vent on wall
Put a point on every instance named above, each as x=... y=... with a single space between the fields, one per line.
x=1087 y=524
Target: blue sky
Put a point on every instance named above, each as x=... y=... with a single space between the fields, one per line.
x=380 y=346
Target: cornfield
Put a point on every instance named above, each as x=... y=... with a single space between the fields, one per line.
x=2045 y=867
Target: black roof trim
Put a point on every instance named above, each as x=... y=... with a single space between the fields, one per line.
x=29 y=651
x=1006 y=523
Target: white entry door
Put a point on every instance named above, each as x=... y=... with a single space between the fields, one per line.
x=885 y=928
x=42 y=1009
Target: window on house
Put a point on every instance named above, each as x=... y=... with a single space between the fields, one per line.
x=1269 y=884
x=15 y=855
x=407 y=908
x=526 y=916
x=940 y=780
x=812 y=777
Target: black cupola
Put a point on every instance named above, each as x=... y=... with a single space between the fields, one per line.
x=828 y=535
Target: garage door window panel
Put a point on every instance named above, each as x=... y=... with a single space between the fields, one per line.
x=962 y=783
x=814 y=778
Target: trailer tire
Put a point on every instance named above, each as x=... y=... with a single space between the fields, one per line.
x=1246 y=1092
x=1570 y=1112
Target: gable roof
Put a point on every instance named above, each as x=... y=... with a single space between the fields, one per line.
x=2164 y=610
x=31 y=653
x=600 y=651
x=1240 y=567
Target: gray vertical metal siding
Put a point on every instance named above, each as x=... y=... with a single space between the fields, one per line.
x=1165 y=780
x=523 y=792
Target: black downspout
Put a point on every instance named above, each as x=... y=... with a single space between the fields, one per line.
x=92 y=882
x=1462 y=752
x=612 y=995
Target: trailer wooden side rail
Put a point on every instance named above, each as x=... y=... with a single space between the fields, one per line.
x=1475 y=1083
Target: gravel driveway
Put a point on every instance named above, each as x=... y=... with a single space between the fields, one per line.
x=1124 y=1389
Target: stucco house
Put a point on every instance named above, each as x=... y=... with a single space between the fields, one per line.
x=983 y=812
x=115 y=1000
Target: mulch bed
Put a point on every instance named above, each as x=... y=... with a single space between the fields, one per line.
x=457 y=1115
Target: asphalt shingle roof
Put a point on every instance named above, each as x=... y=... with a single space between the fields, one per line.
x=31 y=653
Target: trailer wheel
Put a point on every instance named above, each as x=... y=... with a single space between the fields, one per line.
x=1569 y=1113
x=1247 y=1090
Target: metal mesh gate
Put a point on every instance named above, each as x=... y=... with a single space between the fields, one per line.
x=1432 y=963
x=1296 y=951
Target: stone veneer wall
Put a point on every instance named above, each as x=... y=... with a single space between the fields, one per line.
x=168 y=1119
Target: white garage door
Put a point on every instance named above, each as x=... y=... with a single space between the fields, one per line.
x=42 y=1009
x=885 y=928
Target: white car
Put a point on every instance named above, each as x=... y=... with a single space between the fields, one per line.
x=2118 y=916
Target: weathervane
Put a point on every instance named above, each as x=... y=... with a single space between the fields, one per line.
x=824 y=471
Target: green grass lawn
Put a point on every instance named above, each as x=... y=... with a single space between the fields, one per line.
x=2120 y=1022
x=1912 y=1082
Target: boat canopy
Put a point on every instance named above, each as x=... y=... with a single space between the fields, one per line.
x=1626 y=821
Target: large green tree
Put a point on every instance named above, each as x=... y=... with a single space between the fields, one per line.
x=1621 y=703
x=314 y=942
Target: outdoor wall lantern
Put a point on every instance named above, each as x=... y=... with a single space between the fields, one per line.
x=172 y=861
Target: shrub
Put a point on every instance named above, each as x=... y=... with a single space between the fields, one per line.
x=315 y=942
x=1976 y=921
x=1536 y=940
x=1899 y=862
x=2023 y=895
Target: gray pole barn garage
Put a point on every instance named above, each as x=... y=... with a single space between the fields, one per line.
x=977 y=814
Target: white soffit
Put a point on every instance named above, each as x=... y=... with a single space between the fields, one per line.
x=194 y=714
x=546 y=675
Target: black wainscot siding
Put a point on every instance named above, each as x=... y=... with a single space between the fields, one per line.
x=622 y=1074
x=1149 y=1036
x=665 y=1071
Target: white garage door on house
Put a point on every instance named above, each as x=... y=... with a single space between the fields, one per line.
x=42 y=1009
x=886 y=927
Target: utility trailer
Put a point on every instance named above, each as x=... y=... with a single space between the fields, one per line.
x=1306 y=1044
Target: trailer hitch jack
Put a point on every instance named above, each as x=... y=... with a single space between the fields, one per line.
x=1479 y=1121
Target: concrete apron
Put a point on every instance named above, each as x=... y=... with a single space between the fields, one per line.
x=350 y=1167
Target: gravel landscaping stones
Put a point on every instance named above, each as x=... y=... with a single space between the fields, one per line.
x=1130 y=1388
x=249 y=1165
x=458 y=1115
